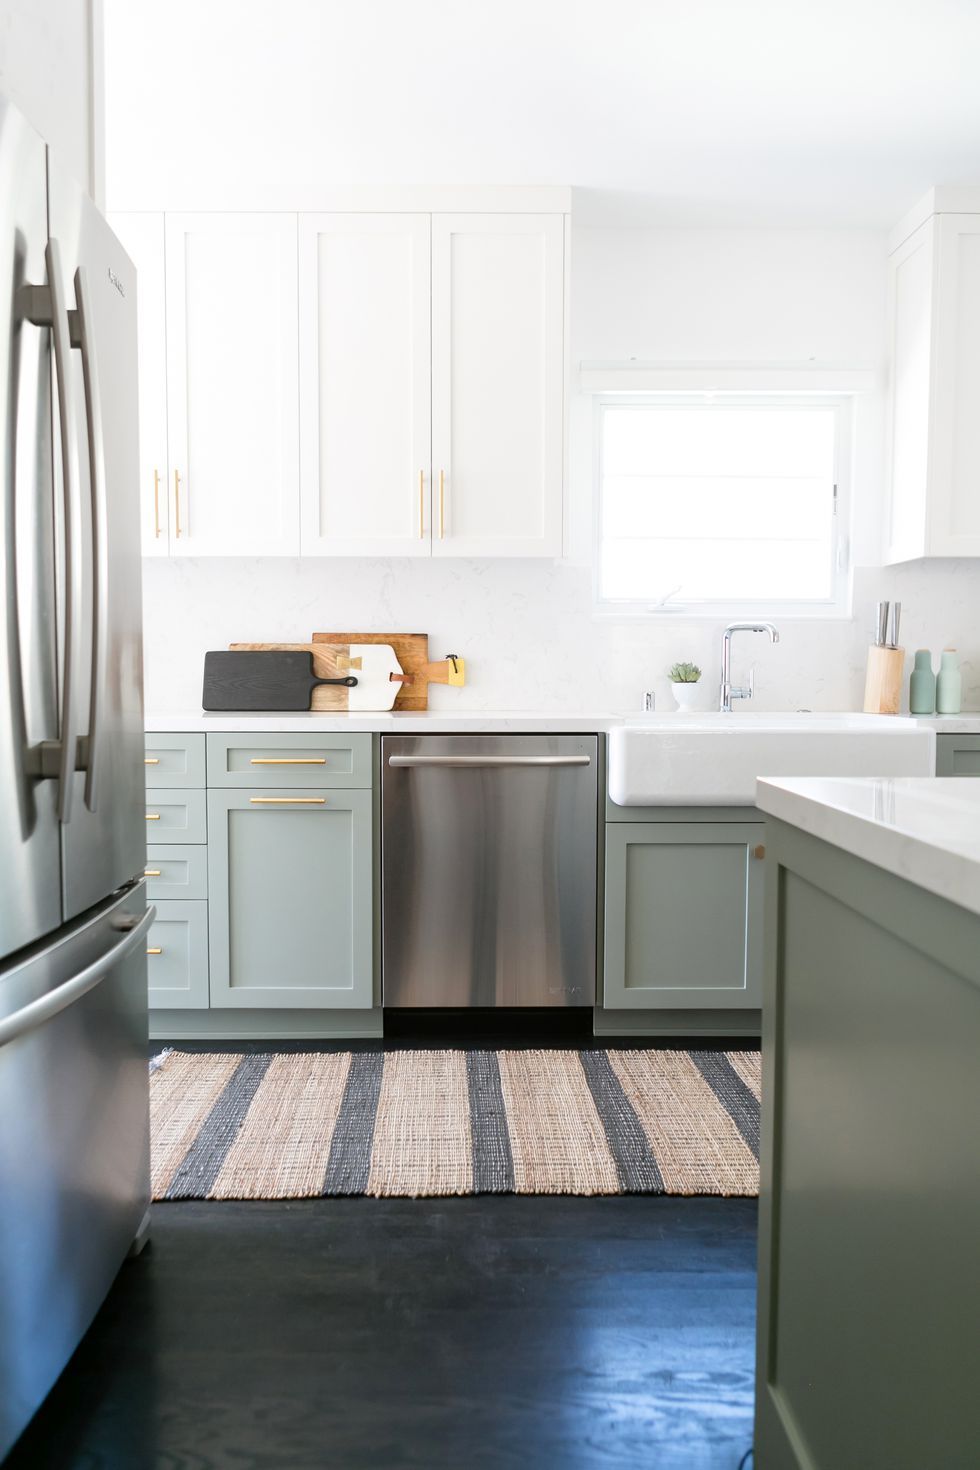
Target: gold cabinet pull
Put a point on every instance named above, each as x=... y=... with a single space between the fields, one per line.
x=153 y=816
x=151 y=872
x=421 y=505
x=151 y=760
x=177 y=499
x=156 y=503
x=155 y=951
x=759 y=852
x=442 y=504
x=288 y=800
x=288 y=760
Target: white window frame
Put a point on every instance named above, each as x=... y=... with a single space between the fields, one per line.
x=837 y=606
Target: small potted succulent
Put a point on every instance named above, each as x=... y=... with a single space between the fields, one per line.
x=684 y=684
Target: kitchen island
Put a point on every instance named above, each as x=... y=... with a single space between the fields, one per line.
x=870 y=1191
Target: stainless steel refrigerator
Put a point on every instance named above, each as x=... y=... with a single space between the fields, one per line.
x=74 y=1147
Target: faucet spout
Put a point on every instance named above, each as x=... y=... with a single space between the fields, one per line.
x=728 y=690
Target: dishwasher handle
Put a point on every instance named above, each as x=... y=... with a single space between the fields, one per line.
x=475 y=762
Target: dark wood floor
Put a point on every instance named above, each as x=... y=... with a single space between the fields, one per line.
x=549 y=1334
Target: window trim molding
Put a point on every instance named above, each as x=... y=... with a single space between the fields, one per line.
x=835 y=608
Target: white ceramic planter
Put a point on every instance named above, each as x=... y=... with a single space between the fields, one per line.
x=687 y=696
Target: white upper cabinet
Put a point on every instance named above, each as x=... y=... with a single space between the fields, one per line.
x=232 y=390
x=934 y=428
x=365 y=383
x=378 y=381
x=142 y=238
x=497 y=384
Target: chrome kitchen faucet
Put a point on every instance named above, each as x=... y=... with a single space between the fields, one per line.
x=728 y=692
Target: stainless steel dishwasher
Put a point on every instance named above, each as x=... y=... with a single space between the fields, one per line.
x=489 y=869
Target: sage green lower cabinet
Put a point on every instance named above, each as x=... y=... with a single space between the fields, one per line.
x=870 y=1189
x=177 y=956
x=683 y=916
x=290 y=898
x=958 y=755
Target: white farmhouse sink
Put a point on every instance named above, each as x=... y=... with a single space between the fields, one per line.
x=715 y=759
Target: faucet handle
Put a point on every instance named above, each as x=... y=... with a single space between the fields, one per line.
x=649 y=702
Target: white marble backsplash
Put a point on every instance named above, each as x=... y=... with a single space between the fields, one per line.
x=529 y=632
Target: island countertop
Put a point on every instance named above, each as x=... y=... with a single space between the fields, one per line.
x=923 y=829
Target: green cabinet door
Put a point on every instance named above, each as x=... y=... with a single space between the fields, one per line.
x=177 y=956
x=958 y=755
x=289 y=893
x=683 y=915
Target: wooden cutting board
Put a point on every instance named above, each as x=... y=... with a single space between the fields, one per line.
x=336 y=660
x=411 y=651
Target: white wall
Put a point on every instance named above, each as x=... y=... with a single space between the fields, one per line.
x=527 y=628
x=50 y=67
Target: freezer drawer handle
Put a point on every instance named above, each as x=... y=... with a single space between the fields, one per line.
x=474 y=762
x=59 y=999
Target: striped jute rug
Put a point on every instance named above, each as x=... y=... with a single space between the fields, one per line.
x=414 y=1123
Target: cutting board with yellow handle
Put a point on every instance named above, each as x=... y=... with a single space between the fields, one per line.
x=375 y=667
x=412 y=652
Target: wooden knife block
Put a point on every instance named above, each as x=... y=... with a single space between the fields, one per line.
x=883 y=685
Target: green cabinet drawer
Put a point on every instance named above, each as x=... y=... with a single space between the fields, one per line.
x=177 y=957
x=174 y=760
x=290 y=897
x=683 y=915
x=176 y=871
x=289 y=760
x=958 y=755
x=176 y=816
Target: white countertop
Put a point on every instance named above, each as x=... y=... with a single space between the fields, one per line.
x=430 y=722
x=923 y=829
x=448 y=722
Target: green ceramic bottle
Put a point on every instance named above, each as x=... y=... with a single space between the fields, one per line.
x=922 y=685
x=949 y=685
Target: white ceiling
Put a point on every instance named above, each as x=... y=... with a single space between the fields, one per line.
x=662 y=111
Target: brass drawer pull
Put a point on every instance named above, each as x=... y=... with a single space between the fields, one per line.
x=313 y=760
x=151 y=872
x=759 y=852
x=287 y=800
x=151 y=760
x=154 y=951
x=153 y=816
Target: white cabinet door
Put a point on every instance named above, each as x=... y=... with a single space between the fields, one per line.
x=365 y=376
x=934 y=432
x=142 y=237
x=232 y=384
x=955 y=457
x=910 y=271
x=497 y=384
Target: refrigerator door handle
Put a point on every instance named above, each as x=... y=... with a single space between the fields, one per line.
x=83 y=337
x=45 y=306
x=38 y=1011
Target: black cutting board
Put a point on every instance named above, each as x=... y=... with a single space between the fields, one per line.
x=262 y=681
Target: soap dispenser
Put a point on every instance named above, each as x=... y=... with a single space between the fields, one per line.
x=922 y=685
x=949 y=685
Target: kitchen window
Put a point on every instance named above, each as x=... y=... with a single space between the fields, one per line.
x=718 y=505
